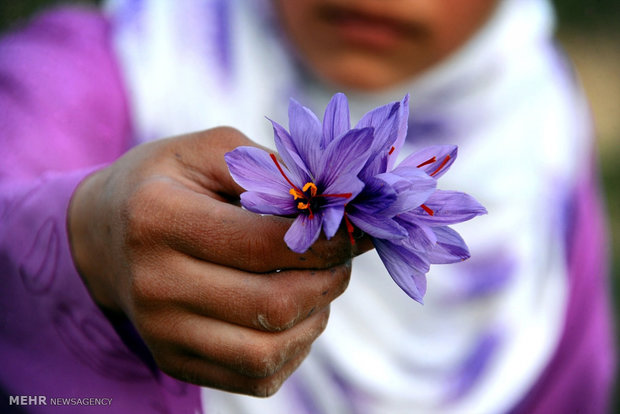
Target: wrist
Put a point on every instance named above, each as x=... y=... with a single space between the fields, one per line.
x=85 y=240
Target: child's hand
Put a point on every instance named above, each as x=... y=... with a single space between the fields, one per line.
x=213 y=289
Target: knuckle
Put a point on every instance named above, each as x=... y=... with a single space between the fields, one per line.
x=278 y=312
x=266 y=387
x=227 y=135
x=324 y=318
x=225 y=131
x=142 y=212
x=263 y=359
x=185 y=370
x=181 y=368
x=150 y=290
x=166 y=365
x=141 y=288
x=342 y=276
x=166 y=361
x=317 y=325
x=224 y=138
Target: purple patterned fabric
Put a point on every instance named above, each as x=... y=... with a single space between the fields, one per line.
x=578 y=378
x=63 y=112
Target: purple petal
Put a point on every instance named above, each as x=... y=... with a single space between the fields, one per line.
x=413 y=187
x=254 y=170
x=336 y=119
x=450 y=247
x=376 y=225
x=263 y=203
x=345 y=155
x=375 y=165
x=406 y=268
x=402 y=131
x=303 y=232
x=306 y=132
x=447 y=207
x=366 y=211
x=376 y=197
x=288 y=152
x=332 y=217
x=420 y=237
x=434 y=160
x=385 y=121
x=344 y=184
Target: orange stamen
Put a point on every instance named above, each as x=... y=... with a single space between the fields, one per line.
x=312 y=188
x=296 y=194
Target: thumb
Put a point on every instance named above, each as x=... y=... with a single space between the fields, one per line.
x=201 y=155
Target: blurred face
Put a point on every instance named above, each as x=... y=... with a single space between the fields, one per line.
x=374 y=44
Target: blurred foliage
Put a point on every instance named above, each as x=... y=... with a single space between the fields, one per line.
x=15 y=12
x=593 y=14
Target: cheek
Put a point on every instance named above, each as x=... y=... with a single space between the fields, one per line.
x=296 y=16
x=455 y=21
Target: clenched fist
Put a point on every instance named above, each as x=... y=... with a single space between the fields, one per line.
x=213 y=290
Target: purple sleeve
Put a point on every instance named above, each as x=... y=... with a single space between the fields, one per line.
x=63 y=105
x=63 y=113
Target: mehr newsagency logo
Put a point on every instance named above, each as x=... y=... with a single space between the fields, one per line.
x=58 y=401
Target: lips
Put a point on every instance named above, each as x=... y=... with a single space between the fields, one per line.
x=366 y=29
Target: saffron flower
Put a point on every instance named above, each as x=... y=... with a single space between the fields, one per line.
x=315 y=179
x=415 y=207
x=331 y=173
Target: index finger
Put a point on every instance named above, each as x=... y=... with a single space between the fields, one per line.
x=207 y=226
x=221 y=233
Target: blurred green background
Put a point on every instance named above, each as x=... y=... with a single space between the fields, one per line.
x=590 y=33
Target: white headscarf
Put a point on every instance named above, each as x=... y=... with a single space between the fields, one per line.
x=489 y=325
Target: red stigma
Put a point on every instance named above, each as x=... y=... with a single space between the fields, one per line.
x=341 y=195
x=428 y=210
x=444 y=162
x=275 y=161
x=391 y=151
x=429 y=161
x=350 y=228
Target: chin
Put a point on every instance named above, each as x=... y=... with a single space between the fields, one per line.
x=365 y=75
x=357 y=82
